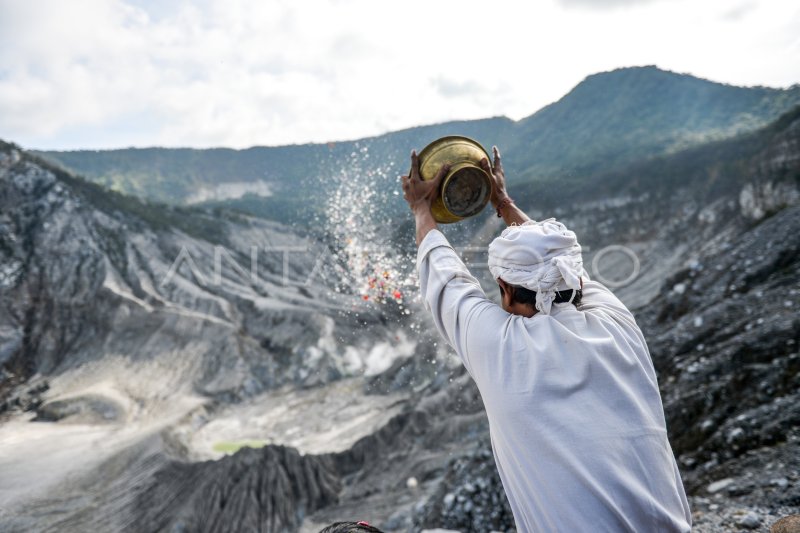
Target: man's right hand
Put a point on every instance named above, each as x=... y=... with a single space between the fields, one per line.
x=497 y=175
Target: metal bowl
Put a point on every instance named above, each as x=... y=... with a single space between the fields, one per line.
x=466 y=188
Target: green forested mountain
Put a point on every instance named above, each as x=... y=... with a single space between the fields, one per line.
x=710 y=170
x=175 y=174
x=604 y=124
x=617 y=117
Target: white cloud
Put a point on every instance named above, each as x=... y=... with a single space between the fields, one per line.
x=603 y=4
x=101 y=73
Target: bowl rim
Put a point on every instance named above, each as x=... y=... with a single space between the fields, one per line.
x=432 y=145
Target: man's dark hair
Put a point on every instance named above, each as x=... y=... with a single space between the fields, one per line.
x=351 y=527
x=527 y=296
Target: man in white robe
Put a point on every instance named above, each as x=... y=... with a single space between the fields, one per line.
x=575 y=417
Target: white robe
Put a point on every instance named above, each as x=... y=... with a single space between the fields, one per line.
x=575 y=416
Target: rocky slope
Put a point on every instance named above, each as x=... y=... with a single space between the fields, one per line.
x=357 y=409
x=123 y=323
x=80 y=264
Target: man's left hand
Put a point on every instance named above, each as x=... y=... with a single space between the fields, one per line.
x=419 y=193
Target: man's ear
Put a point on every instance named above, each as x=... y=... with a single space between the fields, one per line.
x=508 y=289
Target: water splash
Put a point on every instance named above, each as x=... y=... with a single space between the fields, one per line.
x=361 y=214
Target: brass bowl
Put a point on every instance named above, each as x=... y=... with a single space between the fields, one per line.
x=466 y=188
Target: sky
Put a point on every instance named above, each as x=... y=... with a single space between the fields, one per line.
x=97 y=74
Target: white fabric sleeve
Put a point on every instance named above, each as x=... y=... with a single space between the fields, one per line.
x=455 y=299
x=597 y=296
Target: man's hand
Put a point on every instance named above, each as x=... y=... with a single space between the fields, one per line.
x=497 y=175
x=511 y=213
x=418 y=193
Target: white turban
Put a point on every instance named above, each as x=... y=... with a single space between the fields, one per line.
x=544 y=257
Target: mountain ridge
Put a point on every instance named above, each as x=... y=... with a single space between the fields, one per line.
x=680 y=110
x=609 y=119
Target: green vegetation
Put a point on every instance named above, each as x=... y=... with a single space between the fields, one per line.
x=607 y=123
x=712 y=169
x=295 y=211
x=612 y=119
x=196 y=221
x=173 y=175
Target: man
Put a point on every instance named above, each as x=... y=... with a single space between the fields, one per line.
x=575 y=417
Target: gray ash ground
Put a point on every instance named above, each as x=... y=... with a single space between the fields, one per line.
x=724 y=336
x=710 y=517
x=470 y=498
